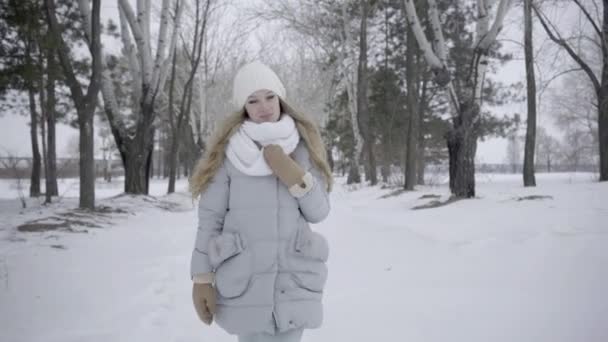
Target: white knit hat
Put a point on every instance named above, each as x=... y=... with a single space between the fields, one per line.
x=253 y=77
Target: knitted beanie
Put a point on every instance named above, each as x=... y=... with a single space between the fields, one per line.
x=253 y=77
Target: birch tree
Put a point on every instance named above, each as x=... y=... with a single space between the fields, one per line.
x=466 y=104
x=363 y=118
x=350 y=80
x=134 y=131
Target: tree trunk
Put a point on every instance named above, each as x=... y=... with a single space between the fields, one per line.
x=529 y=177
x=603 y=125
x=166 y=154
x=351 y=84
x=161 y=153
x=173 y=163
x=422 y=81
x=330 y=157
x=462 y=146
x=386 y=157
x=107 y=166
x=421 y=146
x=43 y=119
x=362 y=101
x=191 y=150
x=87 y=159
x=51 y=167
x=150 y=160
x=412 y=110
x=602 y=100
x=139 y=154
x=85 y=103
x=174 y=130
x=353 y=174
x=36 y=162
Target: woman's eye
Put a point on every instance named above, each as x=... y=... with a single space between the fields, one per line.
x=270 y=97
x=253 y=101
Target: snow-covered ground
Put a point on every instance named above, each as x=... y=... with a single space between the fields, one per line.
x=494 y=268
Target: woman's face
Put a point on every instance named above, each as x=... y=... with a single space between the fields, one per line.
x=263 y=106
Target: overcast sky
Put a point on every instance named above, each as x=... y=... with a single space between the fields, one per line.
x=14 y=131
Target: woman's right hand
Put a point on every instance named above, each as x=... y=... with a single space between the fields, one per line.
x=203 y=296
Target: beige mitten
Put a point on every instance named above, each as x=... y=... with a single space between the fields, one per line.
x=288 y=171
x=203 y=296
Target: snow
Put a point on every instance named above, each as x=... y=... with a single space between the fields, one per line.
x=493 y=268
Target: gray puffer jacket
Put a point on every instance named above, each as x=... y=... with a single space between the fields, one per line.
x=269 y=265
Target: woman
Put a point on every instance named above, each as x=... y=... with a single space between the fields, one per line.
x=257 y=267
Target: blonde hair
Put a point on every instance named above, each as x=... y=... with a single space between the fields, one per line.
x=211 y=162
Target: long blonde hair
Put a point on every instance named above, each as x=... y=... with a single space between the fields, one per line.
x=210 y=163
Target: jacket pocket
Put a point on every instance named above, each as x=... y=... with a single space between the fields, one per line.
x=310 y=244
x=309 y=254
x=231 y=261
x=314 y=282
x=223 y=247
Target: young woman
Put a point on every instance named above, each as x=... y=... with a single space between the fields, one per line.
x=257 y=266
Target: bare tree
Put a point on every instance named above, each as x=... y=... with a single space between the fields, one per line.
x=85 y=103
x=574 y=108
x=528 y=172
x=513 y=151
x=600 y=83
x=462 y=137
x=547 y=148
x=11 y=162
x=202 y=12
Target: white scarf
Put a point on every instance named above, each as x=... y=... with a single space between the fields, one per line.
x=245 y=154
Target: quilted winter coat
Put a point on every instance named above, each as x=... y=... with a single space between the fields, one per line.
x=270 y=267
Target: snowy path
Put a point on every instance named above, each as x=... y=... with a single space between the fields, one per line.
x=490 y=269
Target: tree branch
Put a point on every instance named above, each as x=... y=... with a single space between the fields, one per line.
x=586 y=13
x=179 y=8
x=437 y=32
x=423 y=43
x=64 y=53
x=95 y=48
x=561 y=42
x=141 y=40
x=160 y=46
x=490 y=37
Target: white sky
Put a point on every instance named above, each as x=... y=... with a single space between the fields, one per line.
x=14 y=130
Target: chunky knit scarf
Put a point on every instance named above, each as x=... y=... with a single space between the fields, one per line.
x=246 y=156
